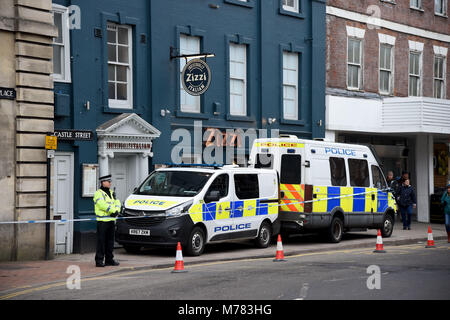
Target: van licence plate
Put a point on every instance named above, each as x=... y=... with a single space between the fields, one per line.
x=139 y=232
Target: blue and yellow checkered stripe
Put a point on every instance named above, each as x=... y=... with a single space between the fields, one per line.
x=373 y=200
x=232 y=209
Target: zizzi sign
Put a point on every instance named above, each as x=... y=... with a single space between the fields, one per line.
x=7 y=93
x=196 y=77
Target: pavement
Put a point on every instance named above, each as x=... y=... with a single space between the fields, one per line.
x=19 y=275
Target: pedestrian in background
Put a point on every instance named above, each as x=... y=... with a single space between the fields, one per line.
x=394 y=185
x=406 y=199
x=445 y=200
x=106 y=209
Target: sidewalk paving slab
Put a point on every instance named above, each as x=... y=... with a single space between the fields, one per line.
x=27 y=274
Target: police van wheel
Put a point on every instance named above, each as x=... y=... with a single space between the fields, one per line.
x=388 y=226
x=196 y=242
x=264 y=236
x=335 y=230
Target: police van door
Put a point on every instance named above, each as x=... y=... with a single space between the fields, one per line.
x=217 y=208
x=380 y=199
x=245 y=218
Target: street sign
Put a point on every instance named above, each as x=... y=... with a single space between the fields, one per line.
x=196 y=77
x=72 y=135
x=7 y=93
x=51 y=142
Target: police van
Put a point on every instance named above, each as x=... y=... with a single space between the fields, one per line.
x=196 y=205
x=327 y=187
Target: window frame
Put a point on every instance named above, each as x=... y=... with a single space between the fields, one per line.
x=349 y=161
x=295 y=9
x=243 y=3
x=381 y=175
x=282 y=175
x=444 y=75
x=116 y=103
x=65 y=76
x=413 y=6
x=227 y=185
x=260 y=165
x=186 y=108
x=360 y=65
x=444 y=8
x=236 y=185
x=391 y=70
x=244 y=80
x=330 y=159
x=418 y=76
x=286 y=84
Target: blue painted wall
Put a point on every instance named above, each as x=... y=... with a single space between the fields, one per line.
x=261 y=24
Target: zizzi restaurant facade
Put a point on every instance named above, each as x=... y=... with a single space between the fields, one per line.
x=147 y=77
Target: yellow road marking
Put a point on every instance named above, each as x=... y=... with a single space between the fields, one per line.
x=121 y=274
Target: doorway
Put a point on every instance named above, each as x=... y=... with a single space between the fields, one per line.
x=124 y=175
x=63 y=178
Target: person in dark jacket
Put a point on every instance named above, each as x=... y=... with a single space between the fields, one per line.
x=445 y=200
x=394 y=185
x=406 y=200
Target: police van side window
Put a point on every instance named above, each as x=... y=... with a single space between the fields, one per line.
x=338 y=174
x=264 y=160
x=246 y=186
x=291 y=168
x=220 y=185
x=378 y=178
x=359 y=173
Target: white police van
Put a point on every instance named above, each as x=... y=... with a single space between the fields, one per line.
x=199 y=205
x=327 y=187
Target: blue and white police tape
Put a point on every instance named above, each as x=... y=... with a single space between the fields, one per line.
x=152 y=216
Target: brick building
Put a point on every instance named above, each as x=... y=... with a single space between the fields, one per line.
x=26 y=52
x=387 y=85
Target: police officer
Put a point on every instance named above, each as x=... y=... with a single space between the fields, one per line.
x=106 y=209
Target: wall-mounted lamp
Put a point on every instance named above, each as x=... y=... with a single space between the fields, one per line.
x=87 y=105
x=271 y=120
x=164 y=112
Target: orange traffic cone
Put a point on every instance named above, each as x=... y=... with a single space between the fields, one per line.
x=379 y=247
x=430 y=243
x=179 y=266
x=280 y=254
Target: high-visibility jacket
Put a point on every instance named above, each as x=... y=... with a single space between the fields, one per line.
x=105 y=205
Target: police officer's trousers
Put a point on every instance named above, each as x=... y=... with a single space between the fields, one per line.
x=105 y=241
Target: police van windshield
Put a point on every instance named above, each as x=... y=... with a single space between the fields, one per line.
x=174 y=183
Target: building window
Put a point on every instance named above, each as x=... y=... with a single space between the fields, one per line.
x=291 y=5
x=238 y=80
x=439 y=77
x=61 y=49
x=188 y=45
x=386 y=68
x=290 y=85
x=440 y=7
x=414 y=73
x=415 y=4
x=120 y=71
x=354 y=63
